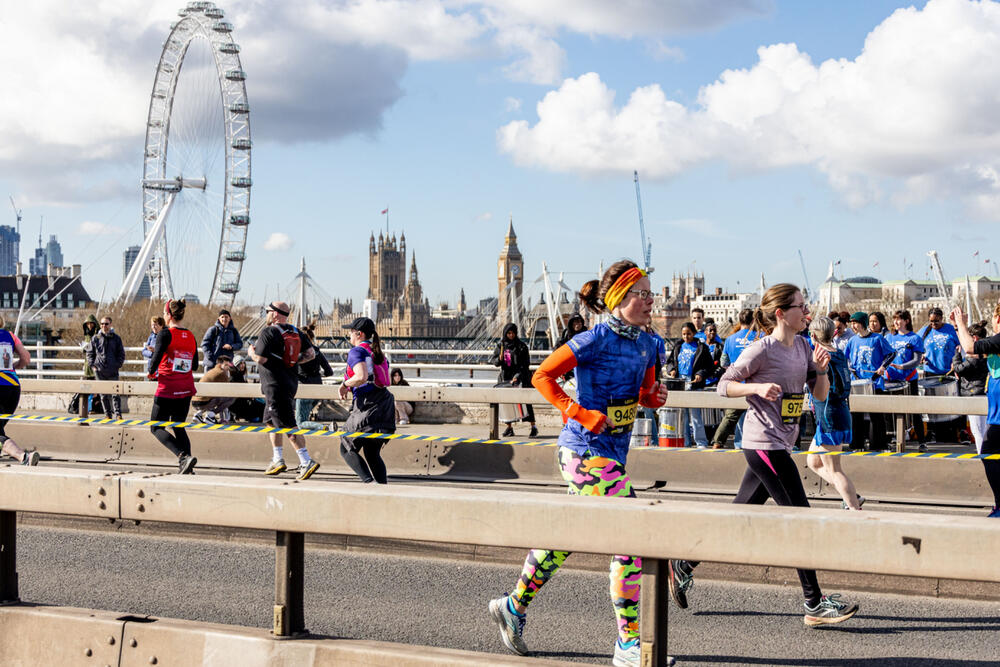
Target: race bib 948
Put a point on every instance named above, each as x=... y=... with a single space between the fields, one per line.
x=621 y=414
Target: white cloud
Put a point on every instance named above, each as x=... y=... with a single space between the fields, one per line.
x=93 y=228
x=277 y=242
x=912 y=117
x=660 y=50
x=77 y=77
x=483 y=217
x=511 y=104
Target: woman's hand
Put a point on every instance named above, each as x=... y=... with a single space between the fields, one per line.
x=821 y=358
x=344 y=389
x=672 y=374
x=769 y=391
x=697 y=379
x=661 y=392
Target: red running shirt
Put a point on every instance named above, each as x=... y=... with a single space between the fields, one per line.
x=175 y=373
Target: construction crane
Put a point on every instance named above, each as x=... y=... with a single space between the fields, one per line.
x=805 y=287
x=647 y=247
x=17 y=212
x=939 y=277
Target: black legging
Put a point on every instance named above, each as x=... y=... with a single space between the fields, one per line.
x=374 y=470
x=171 y=410
x=773 y=474
x=991 y=445
x=10 y=396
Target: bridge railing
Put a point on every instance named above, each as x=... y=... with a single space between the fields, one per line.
x=899 y=406
x=920 y=545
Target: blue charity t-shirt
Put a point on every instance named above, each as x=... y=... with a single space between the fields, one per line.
x=685 y=359
x=865 y=354
x=939 y=348
x=907 y=346
x=990 y=346
x=609 y=373
x=738 y=342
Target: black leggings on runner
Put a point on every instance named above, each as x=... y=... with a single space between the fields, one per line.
x=991 y=445
x=171 y=410
x=773 y=474
x=374 y=470
x=10 y=396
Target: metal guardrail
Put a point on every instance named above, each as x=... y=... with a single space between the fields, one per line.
x=920 y=545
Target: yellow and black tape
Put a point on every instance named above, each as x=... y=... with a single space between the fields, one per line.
x=323 y=433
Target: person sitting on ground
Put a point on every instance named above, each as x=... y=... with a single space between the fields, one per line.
x=403 y=408
x=244 y=409
x=215 y=409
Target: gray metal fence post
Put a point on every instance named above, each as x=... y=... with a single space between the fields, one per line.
x=289 y=565
x=653 y=607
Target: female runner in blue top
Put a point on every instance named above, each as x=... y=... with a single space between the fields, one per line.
x=615 y=370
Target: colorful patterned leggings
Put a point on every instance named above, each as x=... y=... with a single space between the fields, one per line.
x=591 y=476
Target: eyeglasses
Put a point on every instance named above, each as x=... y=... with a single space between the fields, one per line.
x=105 y=324
x=643 y=293
x=804 y=307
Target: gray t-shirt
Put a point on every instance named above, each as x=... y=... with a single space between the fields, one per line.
x=768 y=360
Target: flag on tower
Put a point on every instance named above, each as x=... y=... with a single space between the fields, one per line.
x=874 y=265
x=975 y=254
x=384 y=211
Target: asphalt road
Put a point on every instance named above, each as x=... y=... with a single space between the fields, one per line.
x=443 y=603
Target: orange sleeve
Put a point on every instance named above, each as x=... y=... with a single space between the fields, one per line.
x=650 y=388
x=555 y=366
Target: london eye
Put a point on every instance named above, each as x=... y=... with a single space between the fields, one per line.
x=196 y=164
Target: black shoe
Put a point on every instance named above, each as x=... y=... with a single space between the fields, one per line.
x=508 y=433
x=678 y=582
x=534 y=432
x=186 y=464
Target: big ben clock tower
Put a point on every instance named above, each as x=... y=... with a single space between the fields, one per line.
x=510 y=272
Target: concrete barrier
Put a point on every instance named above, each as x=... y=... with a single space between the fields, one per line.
x=45 y=635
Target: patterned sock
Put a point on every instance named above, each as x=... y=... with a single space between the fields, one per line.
x=511 y=609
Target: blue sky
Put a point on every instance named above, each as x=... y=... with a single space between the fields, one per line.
x=848 y=144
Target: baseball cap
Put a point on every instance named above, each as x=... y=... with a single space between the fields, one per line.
x=362 y=324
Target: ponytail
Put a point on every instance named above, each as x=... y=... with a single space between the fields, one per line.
x=377 y=355
x=777 y=296
x=588 y=297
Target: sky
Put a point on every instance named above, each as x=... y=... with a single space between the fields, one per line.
x=859 y=131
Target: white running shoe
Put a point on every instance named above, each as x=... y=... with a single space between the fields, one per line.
x=632 y=655
x=511 y=626
x=829 y=610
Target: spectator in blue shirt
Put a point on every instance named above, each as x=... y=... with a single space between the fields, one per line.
x=691 y=360
x=868 y=357
x=940 y=341
x=909 y=349
x=877 y=324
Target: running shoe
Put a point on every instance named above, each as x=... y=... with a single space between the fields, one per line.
x=995 y=514
x=306 y=470
x=679 y=581
x=861 y=502
x=186 y=464
x=276 y=467
x=30 y=459
x=198 y=417
x=511 y=625
x=118 y=416
x=508 y=432
x=404 y=422
x=211 y=418
x=829 y=610
x=631 y=655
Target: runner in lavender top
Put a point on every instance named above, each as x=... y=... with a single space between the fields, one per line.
x=772 y=374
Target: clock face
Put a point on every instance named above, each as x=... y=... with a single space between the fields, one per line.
x=501 y=270
x=515 y=269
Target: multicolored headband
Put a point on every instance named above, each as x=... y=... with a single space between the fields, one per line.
x=616 y=293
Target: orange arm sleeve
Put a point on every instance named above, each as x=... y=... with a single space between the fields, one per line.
x=650 y=388
x=555 y=366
